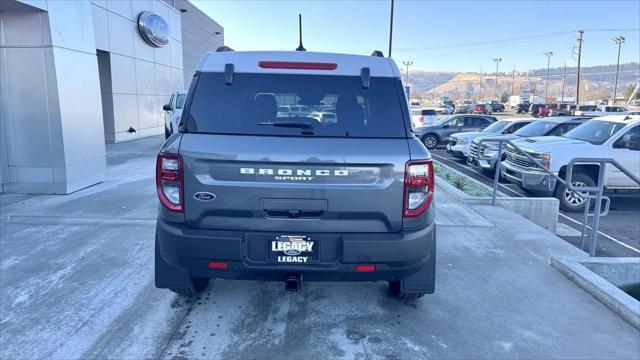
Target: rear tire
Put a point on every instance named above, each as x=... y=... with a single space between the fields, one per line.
x=395 y=290
x=430 y=141
x=196 y=285
x=573 y=202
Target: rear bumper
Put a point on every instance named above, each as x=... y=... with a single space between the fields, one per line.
x=395 y=255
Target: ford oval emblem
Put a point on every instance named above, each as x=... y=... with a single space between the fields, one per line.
x=204 y=196
x=153 y=29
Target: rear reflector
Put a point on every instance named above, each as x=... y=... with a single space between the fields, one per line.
x=365 y=268
x=297 y=65
x=218 y=265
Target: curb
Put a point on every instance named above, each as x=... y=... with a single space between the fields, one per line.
x=607 y=293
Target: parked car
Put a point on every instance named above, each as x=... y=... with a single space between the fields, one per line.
x=616 y=137
x=555 y=109
x=444 y=109
x=247 y=194
x=581 y=110
x=173 y=112
x=465 y=107
x=422 y=117
x=481 y=109
x=324 y=116
x=450 y=103
x=522 y=108
x=551 y=126
x=294 y=110
x=495 y=106
x=459 y=143
x=603 y=110
x=438 y=133
x=534 y=109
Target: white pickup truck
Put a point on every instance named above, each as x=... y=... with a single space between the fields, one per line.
x=614 y=136
x=603 y=110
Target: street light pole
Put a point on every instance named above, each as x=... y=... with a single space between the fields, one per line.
x=564 y=75
x=391 y=29
x=407 y=64
x=548 y=54
x=580 y=40
x=497 y=61
x=480 y=96
x=618 y=40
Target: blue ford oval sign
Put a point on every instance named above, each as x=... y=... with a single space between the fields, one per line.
x=204 y=196
x=153 y=28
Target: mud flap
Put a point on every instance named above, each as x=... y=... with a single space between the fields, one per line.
x=166 y=276
x=423 y=281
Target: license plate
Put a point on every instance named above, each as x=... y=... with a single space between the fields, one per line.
x=293 y=249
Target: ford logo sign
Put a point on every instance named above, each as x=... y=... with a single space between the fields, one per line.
x=153 y=29
x=204 y=196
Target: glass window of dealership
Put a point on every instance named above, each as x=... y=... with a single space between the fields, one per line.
x=77 y=74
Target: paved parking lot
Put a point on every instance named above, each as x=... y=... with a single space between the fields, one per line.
x=77 y=282
x=619 y=232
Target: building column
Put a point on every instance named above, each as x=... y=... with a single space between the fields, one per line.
x=50 y=105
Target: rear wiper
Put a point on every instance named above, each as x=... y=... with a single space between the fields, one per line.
x=306 y=127
x=291 y=124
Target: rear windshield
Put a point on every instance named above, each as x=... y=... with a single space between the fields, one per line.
x=290 y=105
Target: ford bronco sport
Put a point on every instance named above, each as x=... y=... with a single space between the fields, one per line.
x=249 y=193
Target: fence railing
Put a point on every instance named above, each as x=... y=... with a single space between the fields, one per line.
x=586 y=192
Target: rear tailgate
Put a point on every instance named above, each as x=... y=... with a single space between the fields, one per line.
x=266 y=183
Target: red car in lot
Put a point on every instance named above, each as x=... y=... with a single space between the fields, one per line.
x=480 y=109
x=554 y=109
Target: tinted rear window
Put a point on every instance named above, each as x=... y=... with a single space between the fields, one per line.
x=255 y=102
x=429 y=112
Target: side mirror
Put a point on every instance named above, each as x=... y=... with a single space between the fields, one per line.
x=166 y=107
x=445 y=126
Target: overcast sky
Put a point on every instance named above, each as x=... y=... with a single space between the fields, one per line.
x=439 y=35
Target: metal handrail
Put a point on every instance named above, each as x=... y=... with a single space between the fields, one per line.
x=598 y=190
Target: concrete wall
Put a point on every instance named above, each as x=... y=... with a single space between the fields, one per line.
x=136 y=78
x=200 y=34
x=52 y=129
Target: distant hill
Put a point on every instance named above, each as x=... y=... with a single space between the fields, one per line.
x=596 y=82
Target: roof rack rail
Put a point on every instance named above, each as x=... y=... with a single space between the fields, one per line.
x=224 y=48
x=377 y=53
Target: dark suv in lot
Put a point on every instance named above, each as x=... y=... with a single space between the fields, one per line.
x=249 y=193
x=438 y=133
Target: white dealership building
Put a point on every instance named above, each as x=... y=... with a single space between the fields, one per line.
x=77 y=74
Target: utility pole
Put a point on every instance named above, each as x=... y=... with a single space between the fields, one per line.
x=407 y=64
x=580 y=34
x=618 y=40
x=480 y=97
x=391 y=29
x=548 y=54
x=513 y=80
x=564 y=75
x=497 y=61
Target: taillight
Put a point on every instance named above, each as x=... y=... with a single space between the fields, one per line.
x=418 y=187
x=169 y=181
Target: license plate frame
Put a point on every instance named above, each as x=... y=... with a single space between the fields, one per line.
x=292 y=249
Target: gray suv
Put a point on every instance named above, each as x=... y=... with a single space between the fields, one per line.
x=438 y=133
x=248 y=192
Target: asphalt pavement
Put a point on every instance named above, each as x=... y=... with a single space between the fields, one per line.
x=619 y=231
